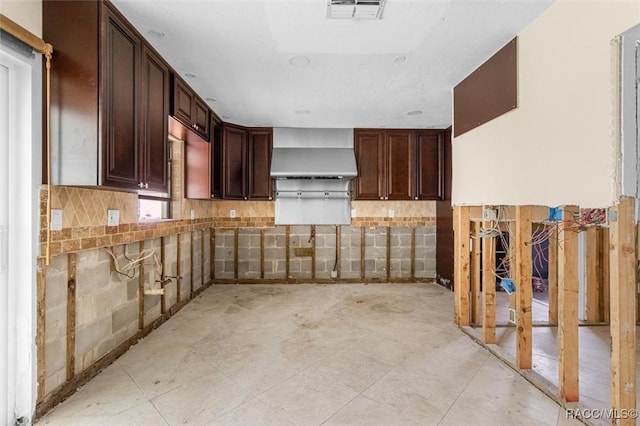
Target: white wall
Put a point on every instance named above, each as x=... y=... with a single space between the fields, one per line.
x=27 y=13
x=558 y=146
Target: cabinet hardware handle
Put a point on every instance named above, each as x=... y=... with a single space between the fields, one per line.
x=213 y=196
x=140 y=185
x=146 y=186
x=382 y=198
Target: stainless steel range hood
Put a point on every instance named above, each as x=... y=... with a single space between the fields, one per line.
x=313 y=169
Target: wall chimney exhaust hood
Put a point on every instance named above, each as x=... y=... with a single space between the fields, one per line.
x=313 y=169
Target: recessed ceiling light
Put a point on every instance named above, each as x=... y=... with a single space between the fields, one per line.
x=155 y=33
x=190 y=75
x=415 y=112
x=303 y=112
x=399 y=59
x=299 y=61
x=210 y=99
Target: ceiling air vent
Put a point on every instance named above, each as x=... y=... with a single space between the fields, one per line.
x=355 y=9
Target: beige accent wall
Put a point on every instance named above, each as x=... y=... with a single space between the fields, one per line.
x=27 y=13
x=558 y=147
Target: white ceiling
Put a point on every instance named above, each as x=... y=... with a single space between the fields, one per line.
x=362 y=73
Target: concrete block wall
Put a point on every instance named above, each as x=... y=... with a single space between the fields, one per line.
x=56 y=323
x=196 y=264
x=249 y=253
x=425 y=251
x=152 y=276
x=375 y=252
x=206 y=235
x=171 y=268
x=225 y=254
x=275 y=263
x=299 y=266
x=400 y=246
x=325 y=246
x=185 y=266
x=350 y=256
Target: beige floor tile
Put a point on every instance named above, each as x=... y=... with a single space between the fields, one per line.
x=200 y=401
x=353 y=369
x=363 y=411
x=251 y=413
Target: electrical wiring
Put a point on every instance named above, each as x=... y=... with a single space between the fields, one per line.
x=129 y=269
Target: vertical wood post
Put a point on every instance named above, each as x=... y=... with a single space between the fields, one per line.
x=461 y=264
x=178 y=267
x=287 y=244
x=488 y=286
x=41 y=329
x=140 y=288
x=338 y=250
x=568 y=360
x=623 y=308
x=236 y=256
x=524 y=293
x=388 y=253
x=191 y=265
x=592 y=281
x=202 y=257
x=262 y=231
x=212 y=253
x=313 y=252
x=605 y=273
x=413 y=253
x=71 y=315
x=553 y=276
x=163 y=297
x=362 y=251
x=476 y=285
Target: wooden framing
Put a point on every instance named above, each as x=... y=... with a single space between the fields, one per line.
x=192 y=286
x=41 y=309
x=235 y=253
x=461 y=275
x=604 y=272
x=488 y=286
x=362 y=250
x=202 y=282
x=287 y=230
x=388 y=253
x=553 y=277
x=212 y=253
x=71 y=315
x=313 y=252
x=338 y=250
x=163 y=296
x=623 y=308
x=178 y=268
x=476 y=268
x=141 y=288
x=568 y=360
x=524 y=292
x=592 y=279
x=262 y=231
x=413 y=253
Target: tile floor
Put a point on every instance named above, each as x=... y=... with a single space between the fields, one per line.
x=381 y=354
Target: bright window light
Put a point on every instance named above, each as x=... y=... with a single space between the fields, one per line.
x=150 y=210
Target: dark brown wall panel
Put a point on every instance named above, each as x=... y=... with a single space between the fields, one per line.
x=488 y=92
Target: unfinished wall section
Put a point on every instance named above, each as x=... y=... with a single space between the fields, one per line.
x=350 y=252
x=425 y=252
x=249 y=253
x=275 y=256
x=56 y=324
x=225 y=254
x=326 y=253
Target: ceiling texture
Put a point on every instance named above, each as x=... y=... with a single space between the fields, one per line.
x=282 y=63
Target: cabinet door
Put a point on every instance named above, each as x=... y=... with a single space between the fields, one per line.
x=430 y=165
x=200 y=117
x=119 y=65
x=182 y=102
x=197 y=169
x=234 y=155
x=155 y=110
x=216 y=159
x=369 y=152
x=260 y=143
x=401 y=146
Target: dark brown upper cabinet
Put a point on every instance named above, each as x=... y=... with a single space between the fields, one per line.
x=398 y=164
x=246 y=163
x=216 y=177
x=189 y=109
x=110 y=97
x=430 y=149
x=260 y=146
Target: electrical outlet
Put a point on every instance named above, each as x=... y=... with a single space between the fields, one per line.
x=353 y=212
x=113 y=217
x=392 y=213
x=56 y=220
x=232 y=213
x=193 y=214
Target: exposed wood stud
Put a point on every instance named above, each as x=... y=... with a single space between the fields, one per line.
x=41 y=329
x=71 y=315
x=568 y=360
x=338 y=249
x=413 y=252
x=476 y=284
x=287 y=243
x=461 y=264
x=313 y=252
x=212 y=252
x=178 y=268
x=605 y=274
x=553 y=276
x=362 y=251
x=524 y=292
x=141 y=288
x=623 y=309
x=236 y=250
x=488 y=286
x=262 y=231
x=163 y=296
x=191 y=266
x=388 y=253
x=202 y=282
x=592 y=281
